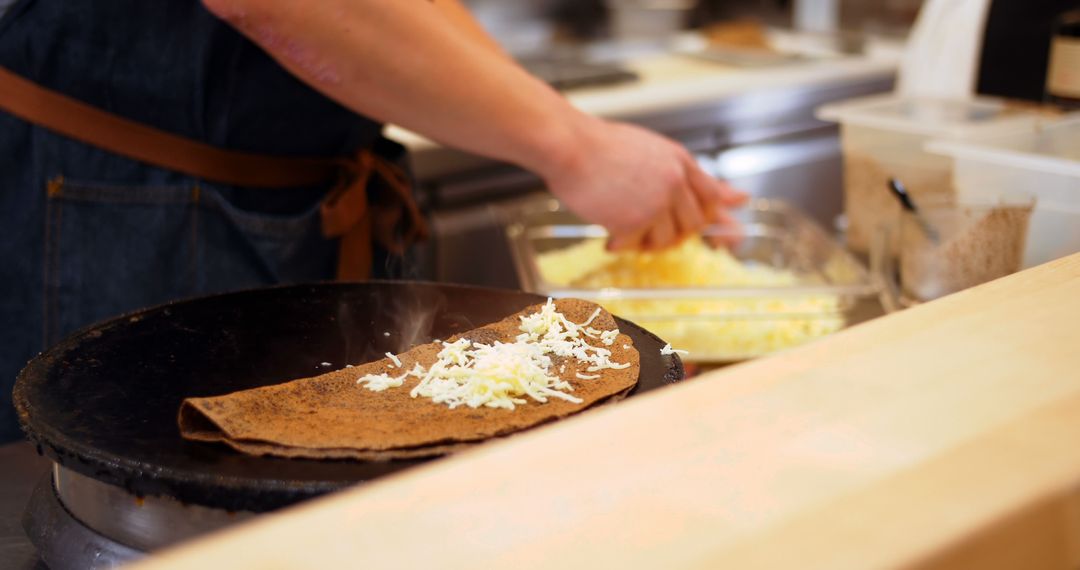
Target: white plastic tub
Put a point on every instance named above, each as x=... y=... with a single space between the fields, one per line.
x=1044 y=162
x=884 y=137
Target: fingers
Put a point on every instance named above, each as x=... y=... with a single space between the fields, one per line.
x=688 y=211
x=627 y=241
x=706 y=191
x=729 y=195
x=683 y=217
x=665 y=230
x=718 y=197
x=714 y=194
x=693 y=200
x=685 y=214
x=731 y=232
x=662 y=235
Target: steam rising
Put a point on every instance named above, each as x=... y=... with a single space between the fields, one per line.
x=412 y=314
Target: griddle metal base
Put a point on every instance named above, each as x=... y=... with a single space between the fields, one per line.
x=75 y=521
x=64 y=543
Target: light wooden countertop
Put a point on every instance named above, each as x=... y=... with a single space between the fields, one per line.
x=945 y=435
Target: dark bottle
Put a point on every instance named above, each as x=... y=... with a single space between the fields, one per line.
x=1063 y=71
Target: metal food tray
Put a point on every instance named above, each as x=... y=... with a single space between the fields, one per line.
x=716 y=323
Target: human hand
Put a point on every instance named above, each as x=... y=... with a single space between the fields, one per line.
x=647 y=190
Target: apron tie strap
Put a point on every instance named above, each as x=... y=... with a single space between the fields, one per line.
x=347 y=214
x=346 y=211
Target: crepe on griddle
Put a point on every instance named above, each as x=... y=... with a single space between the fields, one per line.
x=330 y=416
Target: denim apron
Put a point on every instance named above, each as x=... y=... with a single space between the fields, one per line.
x=89 y=234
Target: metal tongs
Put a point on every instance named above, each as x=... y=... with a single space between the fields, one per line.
x=908 y=204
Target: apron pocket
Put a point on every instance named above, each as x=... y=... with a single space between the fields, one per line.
x=111 y=249
x=244 y=248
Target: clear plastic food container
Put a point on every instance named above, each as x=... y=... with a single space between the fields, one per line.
x=884 y=137
x=1044 y=162
x=784 y=283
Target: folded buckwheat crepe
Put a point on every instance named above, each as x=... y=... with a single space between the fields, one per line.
x=543 y=363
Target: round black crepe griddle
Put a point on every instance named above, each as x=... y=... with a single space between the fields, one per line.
x=104 y=401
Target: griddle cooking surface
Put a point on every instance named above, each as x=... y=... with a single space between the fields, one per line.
x=104 y=401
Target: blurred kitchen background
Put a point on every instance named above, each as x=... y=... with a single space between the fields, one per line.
x=736 y=81
x=810 y=106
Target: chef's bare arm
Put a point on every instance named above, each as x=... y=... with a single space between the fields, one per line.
x=407 y=63
x=460 y=17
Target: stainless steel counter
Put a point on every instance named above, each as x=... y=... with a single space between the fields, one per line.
x=20 y=470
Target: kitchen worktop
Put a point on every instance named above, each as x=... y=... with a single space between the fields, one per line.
x=941 y=436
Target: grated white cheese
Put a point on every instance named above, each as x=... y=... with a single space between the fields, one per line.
x=394 y=359
x=504 y=375
x=668 y=351
x=380 y=382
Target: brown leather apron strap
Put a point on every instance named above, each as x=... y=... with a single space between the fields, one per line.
x=345 y=212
